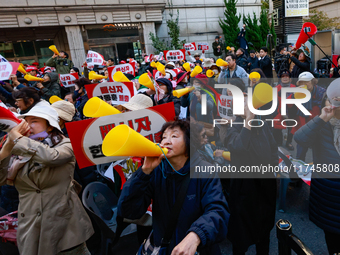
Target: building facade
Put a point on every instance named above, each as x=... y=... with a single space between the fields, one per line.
x=117 y=29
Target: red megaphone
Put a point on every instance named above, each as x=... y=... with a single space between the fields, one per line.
x=308 y=28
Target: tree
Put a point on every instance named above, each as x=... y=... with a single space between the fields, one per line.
x=229 y=25
x=253 y=32
x=174 y=30
x=321 y=20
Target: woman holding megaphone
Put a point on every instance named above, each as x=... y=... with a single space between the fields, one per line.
x=201 y=220
x=51 y=218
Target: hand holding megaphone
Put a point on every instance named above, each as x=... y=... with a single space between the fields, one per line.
x=150 y=163
x=21 y=129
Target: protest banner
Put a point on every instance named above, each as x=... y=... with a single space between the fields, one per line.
x=94 y=58
x=174 y=55
x=124 y=68
x=8 y=68
x=189 y=46
x=112 y=92
x=7 y=118
x=87 y=135
x=67 y=80
x=202 y=46
x=224 y=107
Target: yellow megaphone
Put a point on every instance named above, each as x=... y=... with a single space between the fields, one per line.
x=263 y=94
x=225 y=155
x=145 y=80
x=181 y=92
x=161 y=68
x=196 y=71
x=54 y=49
x=120 y=77
x=124 y=141
x=228 y=48
x=299 y=95
x=54 y=99
x=210 y=73
x=153 y=64
x=29 y=77
x=254 y=76
x=186 y=66
x=221 y=62
x=21 y=69
x=95 y=107
x=94 y=76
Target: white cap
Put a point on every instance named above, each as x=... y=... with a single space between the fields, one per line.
x=306 y=76
x=138 y=102
x=46 y=112
x=171 y=64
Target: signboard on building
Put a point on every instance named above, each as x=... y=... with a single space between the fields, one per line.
x=296 y=8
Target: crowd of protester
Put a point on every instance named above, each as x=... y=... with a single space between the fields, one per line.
x=41 y=177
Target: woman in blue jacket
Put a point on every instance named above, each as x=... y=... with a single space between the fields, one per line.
x=203 y=218
x=322 y=133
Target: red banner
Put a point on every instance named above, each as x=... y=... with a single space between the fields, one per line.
x=174 y=55
x=87 y=135
x=7 y=118
x=124 y=68
x=112 y=92
x=67 y=80
x=189 y=46
x=8 y=68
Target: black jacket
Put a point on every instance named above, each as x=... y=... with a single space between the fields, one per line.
x=217 y=52
x=324 y=201
x=242 y=61
x=254 y=63
x=300 y=67
x=266 y=66
x=252 y=201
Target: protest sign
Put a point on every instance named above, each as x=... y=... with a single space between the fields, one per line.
x=94 y=58
x=8 y=68
x=202 y=46
x=87 y=135
x=174 y=55
x=67 y=80
x=224 y=107
x=112 y=92
x=189 y=46
x=124 y=68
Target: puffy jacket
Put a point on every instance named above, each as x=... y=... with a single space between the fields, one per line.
x=204 y=210
x=52 y=88
x=242 y=61
x=62 y=65
x=324 y=201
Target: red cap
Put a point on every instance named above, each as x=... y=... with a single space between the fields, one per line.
x=31 y=68
x=35 y=64
x=122 y=62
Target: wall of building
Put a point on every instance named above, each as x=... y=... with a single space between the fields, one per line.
x=198 y=19
x=331 y=7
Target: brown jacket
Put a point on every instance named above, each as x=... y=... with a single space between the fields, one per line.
x=51 y=218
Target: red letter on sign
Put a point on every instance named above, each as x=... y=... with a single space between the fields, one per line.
x=141 y=125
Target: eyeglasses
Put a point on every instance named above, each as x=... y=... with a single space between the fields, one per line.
x=228 y=60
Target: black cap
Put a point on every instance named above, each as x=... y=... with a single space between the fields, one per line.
x=217 y=37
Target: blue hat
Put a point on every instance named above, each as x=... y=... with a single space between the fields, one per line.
x=167 y=83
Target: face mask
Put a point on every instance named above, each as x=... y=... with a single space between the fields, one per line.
x=76 y=93
x=40 y=136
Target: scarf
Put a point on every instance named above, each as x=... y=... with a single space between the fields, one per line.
x=336 y=131
x=16 y=165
